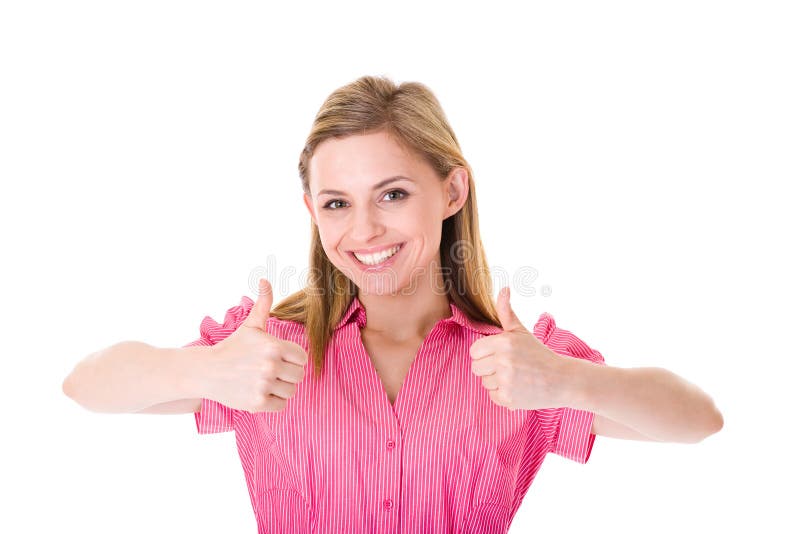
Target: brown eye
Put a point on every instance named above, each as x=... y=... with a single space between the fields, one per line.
x=400 y=191
x=328 y=205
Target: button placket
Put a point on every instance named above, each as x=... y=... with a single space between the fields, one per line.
x=394 y=465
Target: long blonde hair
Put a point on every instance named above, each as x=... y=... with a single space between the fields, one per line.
x=413 y=116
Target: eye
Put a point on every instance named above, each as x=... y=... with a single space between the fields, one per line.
x=328 y=205
x=402 y=194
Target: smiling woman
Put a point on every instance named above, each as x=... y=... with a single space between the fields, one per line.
x=401 y=292
x=393 y=390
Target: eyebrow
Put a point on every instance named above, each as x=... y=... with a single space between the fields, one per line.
x=376 y=186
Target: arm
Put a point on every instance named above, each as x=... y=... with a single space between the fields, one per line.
x=132 y=377
x=175 y=406
x=603 y=426
x=651 y=401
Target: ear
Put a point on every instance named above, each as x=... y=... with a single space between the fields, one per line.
x=457 y=190
x=309 y=207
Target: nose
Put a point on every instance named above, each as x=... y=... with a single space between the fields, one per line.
x=366 y=225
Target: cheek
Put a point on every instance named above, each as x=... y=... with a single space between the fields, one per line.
x=431 y=226
x=422 y=220
x=330 y=237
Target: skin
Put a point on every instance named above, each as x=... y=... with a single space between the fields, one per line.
x=404 y=302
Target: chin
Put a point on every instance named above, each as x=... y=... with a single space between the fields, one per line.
x=391 y=283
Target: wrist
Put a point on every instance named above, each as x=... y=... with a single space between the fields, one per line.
x=577 y=379
x=192 y=376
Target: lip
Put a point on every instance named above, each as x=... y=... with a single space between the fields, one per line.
x=374 y=249
x=376 y=268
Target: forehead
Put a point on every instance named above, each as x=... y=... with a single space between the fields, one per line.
x=358 y=160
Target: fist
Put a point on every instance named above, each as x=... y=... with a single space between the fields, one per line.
x=517 y=369
x=252 y=370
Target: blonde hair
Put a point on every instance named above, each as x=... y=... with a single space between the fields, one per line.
x=413 y=116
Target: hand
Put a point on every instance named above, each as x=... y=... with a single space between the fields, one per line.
x=517 y=369
x=253 y=370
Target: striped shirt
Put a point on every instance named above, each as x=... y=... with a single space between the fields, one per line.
x=444 y=458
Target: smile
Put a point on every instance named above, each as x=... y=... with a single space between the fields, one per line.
x=378 y=259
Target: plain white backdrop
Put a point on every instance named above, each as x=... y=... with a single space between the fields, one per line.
x=640 y=157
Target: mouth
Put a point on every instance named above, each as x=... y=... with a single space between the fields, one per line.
x=377 y=262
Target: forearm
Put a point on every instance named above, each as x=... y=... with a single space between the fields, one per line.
x=650 y=400
x=130 y=375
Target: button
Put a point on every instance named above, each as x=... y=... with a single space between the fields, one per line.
x=387 y=504
x=390 y=444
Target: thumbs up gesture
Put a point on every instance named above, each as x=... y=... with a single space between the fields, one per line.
x=517 y=369
x=253 y=370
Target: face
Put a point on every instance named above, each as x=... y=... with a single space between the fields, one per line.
x=371 y=197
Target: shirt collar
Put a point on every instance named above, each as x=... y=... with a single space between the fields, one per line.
x=356 y=312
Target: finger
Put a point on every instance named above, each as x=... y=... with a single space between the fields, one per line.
x=282 y=389
x=484 y=366
x=291 y=372
x=482 y=348
x=293 y=353
x=508 y=319
x=259 y=314
x=498 y=397
x=490 y=382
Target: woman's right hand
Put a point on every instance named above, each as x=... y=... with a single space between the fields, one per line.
x=252 y=370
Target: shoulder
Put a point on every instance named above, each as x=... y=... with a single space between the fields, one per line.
x=544 y=327
x=563 y=341
x=215 y=331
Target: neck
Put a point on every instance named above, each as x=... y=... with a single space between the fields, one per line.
x=401 y=317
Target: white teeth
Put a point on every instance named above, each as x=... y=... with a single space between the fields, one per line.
x=374 y=259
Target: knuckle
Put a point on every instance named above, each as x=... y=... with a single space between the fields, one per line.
x=269 y=368
x=273 y=351
x=264 y=387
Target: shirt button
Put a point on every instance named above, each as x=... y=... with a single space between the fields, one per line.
x=387 y=504
x=390 y=444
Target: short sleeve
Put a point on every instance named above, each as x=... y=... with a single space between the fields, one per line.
x=566 y=431
x=213 y=416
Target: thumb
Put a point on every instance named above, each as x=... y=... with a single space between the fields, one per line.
x=507 y=317
x=259 y=314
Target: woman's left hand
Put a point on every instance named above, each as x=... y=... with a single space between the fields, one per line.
x=517 y=369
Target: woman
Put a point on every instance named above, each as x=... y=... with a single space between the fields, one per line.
x=423 y=406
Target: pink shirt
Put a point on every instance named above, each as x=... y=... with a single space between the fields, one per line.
x=444 y=458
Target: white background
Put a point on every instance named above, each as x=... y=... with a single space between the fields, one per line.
x=640 y=156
